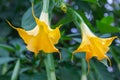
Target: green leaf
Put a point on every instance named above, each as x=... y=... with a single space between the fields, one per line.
x=101 y=72
x=104 y=61
x=106 y=28
x=115 y=53
x=4 y=53
x=65 y=20
x=67 y=73
x=6 y=60
x=77 y=40
x=104 y=25
x=91 y=76
x=92 y=1
x=18 y=44
x=7 y=47
x=107 y=20
x=4 y=31
x=66 y=56
x=4 y=77
x=16 y=70
x=28 y=22
x=34 y=76
x=22 y=70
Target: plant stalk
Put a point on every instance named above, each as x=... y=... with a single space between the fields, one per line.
x=83 y=76
x=50 y=68
x=45 y=5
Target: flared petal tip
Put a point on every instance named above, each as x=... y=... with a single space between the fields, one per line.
x=60 y=56
x=114 y=37
x=72 y=58
x=10 y=24
x=110 y=63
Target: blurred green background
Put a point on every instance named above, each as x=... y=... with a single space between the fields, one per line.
x=102 y=17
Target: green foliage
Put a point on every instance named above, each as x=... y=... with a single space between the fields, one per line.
x=28 y=21
x=33 y=76
x=4 y=60
x=105 y=25
x=92 y=1
x=101 y=72
x=16 y=59
x=16 y=70
x=7 y=47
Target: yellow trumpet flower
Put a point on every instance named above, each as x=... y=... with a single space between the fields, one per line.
x=41 y=37
x=93 y=45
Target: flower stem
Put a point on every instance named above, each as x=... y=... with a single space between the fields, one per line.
x=75 y=13
x=50 y=68
x=45 y=5
x=83 y=76
x=44 y=13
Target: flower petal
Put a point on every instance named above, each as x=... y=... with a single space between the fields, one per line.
x=23 y=34
x=108 y=41
x=41 y=42
x=93 y=45
x=34 y=31
x=55 y=35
